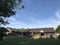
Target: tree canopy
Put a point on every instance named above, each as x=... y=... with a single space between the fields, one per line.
x=58 y=29
x=7 y=9
x=21 y=29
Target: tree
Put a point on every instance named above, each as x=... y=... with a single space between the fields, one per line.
x=21 y=29
x=7 y=9
x=58 y=28
x=2 y=32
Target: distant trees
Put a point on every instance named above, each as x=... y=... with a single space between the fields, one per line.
x=21 y=30
x=58 y=29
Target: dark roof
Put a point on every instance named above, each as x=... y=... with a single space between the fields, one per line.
x=42 y=29
x=35 y=29
x=14 y=29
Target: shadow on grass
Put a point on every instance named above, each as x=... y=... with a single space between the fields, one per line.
x=28 y=41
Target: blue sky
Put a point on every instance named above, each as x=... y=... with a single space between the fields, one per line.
x=37 y=14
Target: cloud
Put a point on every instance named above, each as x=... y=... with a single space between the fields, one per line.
x=58 y=14
x=50 y=22
x=56 y=19
x=15 y=23
x=36 y=23
x=31 y=22
x=53 y=20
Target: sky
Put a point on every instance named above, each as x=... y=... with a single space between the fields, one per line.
x=36 y=14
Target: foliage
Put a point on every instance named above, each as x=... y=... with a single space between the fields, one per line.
x=2 y=29
x=7 y=9
x=58 y=28
x=2 y=32
x=21 y=30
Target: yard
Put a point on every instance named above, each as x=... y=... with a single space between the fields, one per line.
x=28 y=41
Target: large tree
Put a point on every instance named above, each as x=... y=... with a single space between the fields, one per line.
x=58 y=29
x=7 y=9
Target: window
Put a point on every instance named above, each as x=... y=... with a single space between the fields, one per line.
x=42 y=34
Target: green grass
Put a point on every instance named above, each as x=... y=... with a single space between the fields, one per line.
x=28 y=41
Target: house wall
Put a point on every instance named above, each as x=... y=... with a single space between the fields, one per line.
x=38 y=35
x=55 y=35
x=47 y=35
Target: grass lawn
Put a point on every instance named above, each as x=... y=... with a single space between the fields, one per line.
x=29 y=41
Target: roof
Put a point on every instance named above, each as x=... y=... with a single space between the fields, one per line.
x=14 y=29
x=35 y=29
x=42 y=29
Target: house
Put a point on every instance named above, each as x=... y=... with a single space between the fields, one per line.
x=56 y=35
x=41 y=32
x=13 y=32
x=33 y=32
x=16 y=32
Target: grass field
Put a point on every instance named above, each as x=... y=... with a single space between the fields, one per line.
x=29 y=41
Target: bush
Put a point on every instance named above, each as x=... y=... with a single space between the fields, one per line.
x=2 y=32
